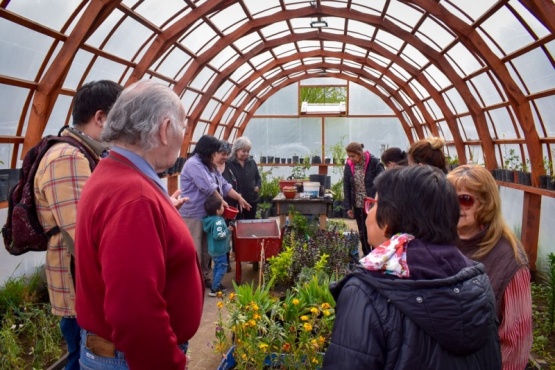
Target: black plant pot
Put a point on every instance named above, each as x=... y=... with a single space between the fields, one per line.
x=263 y=159
x=289 y=160
x=327 y=160
x=316 y=159
x=270 y=159
x=525 y=178
x=551 y=183
x=277 y=160
x=283 y=160
x=295 y=159
x=543 y=181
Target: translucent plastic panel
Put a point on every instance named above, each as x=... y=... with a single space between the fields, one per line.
x=414 y=57
x=22 y=50
x=189 y=100
x=259 y=6
x=389 y=41
x=437 y=77
x=224 y=20
x=506 y=30
x=239 y=74
x=462 y=60
x=275 y=30
x=105 y=69
x=374 y=7
x=403 y=15
x=484 y=89
x=260 y=60
x=59 y=116
x=467 y=128
x=77 y=69
x=529 y=19
x=105 y=28
x=359 y=29
x=200 y=129
x=283 y=102
x=198 y=37
x=157 y=14
x=546 y=109
x=52 y=13
x=284 y=137
x=210 y=109
x=474 y=9
x=433 y=108
x=503 y=123
x=418 y=89
x=323 y=81
x=444 y=130
x=363 y=101
x=434 y=34
x=536 y=70
x=121 y=44
x=455 y=101
x=11 y=108
x=171 y=64
x=224 y=90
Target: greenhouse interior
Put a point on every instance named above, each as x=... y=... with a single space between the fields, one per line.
x=302 y=80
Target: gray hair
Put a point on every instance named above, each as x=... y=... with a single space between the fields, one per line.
x=138 y=112
x=242 y=142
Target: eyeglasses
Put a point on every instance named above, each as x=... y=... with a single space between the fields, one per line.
x=368 y=204
x=466 y=201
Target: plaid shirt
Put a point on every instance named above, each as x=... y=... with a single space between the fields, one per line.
x=59 y=182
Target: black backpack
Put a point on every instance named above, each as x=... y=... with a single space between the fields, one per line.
x=23 y=232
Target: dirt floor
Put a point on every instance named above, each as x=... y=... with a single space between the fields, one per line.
x=201 y=352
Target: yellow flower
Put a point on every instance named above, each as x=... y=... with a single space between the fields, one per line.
x=244 y=356
x=295 y=301
x=315 y=360
x=252 y=323
x=220 y=304
x=219 y=294
x=304 y=318
x=263 y=346
x=231 y=296
x=256 y=316
x=307 y=326
x=326 y=312
x=321 y=339
x=314 y=343
x=324 y=305
x=254 y=306
x=314 y=311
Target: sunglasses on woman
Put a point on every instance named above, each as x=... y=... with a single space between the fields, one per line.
x=368 y=204
x=466 y=201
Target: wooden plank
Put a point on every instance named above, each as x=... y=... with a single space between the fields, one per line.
x=531 y=215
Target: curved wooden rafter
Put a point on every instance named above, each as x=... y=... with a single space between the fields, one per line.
x=51 y=83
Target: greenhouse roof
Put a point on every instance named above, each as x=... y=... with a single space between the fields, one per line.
x=452 y=65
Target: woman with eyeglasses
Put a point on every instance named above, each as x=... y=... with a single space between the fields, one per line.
x=416 y=302
x=486 y=237
x=361 y=168
x=199 y=179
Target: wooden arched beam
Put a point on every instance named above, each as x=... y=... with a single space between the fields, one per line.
x=194 y=117
x=435 y=57
x=421 y=78
x=51 y=83
x=392 y=94
x=171 y=35
x=543 y=10
x=473 y=41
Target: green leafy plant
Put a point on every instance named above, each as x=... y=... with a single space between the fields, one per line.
x=337 y=150
x=30 y=336
x=288 y=332
x=548 y=166
x=269 y=187
x=511 y=160
x=337 y=190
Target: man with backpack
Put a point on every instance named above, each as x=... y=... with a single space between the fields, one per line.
x=58 y=185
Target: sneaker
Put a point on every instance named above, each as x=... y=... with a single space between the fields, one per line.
x=215 y=293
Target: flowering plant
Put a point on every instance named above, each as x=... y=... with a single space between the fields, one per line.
x=277 y=331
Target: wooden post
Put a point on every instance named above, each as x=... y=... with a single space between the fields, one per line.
x=531 y=212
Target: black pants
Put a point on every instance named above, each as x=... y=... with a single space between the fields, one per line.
x=360 y=217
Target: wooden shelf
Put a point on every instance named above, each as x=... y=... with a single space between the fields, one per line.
x=527 y=189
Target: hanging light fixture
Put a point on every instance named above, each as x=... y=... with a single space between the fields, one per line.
x=318 y=23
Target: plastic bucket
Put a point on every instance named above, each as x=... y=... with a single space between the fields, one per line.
x=311 y=188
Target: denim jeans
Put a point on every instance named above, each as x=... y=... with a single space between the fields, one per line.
x=72 y=334
x=220 y=268
x=90 y=361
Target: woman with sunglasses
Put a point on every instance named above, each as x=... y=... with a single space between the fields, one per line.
x=486 y=237
x=417 y=302
x=361 y=168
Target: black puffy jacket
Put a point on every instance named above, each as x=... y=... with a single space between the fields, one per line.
x=438 y=324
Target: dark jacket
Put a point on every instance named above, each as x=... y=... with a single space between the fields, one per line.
x=244 y=179
x=390 y=323
x=372 y=169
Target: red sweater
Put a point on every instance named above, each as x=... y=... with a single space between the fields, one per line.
x=139 y=283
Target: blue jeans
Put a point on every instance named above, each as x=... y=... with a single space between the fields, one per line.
x=90 y=361
x=72 y=334
x=220 y=268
